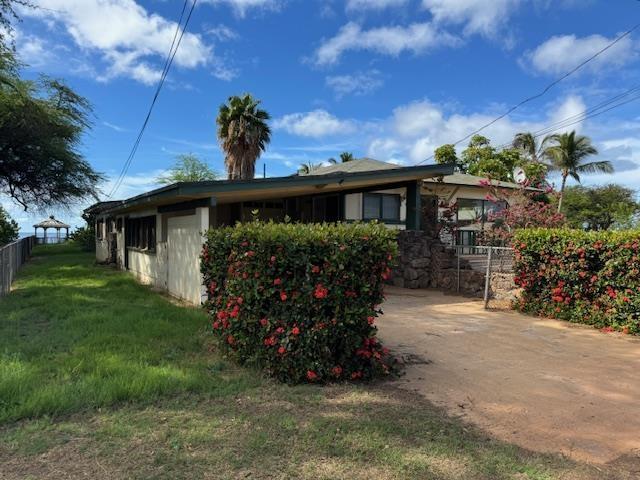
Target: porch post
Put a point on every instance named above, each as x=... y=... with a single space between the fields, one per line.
x=414 y=205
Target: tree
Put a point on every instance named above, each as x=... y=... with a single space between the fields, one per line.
x=527 y=143
x=567 y=152
x=8 y=228
x=188 y=168
x=7 y=15
x=446 y=154
x=244 y=134
x=307 y=168
x=600 y=208
x=41 y=125
x=482 y=159
x=346 y=157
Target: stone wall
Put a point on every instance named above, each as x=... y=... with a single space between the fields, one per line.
x=425 y=262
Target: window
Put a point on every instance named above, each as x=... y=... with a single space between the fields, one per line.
x=381 y=206
x=141 y=233
x=100 y=229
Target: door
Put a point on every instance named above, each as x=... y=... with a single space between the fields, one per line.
x=184 y=244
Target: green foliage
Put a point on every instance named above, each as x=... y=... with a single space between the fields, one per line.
x=300 y=300
x=41 y=125
x=583 y=277
x=8 y=228
x=244 y=134
x=307 y=168
x=188 y=168
x=446 y=154
x=600 y=208
x=85 y=238
x=346 y=157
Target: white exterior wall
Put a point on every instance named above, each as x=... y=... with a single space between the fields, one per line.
x=149 y=268
x=353 y=206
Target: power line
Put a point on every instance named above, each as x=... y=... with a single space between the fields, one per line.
x=167 y=66
x=545 y=90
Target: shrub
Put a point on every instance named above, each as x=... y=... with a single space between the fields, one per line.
x=85 y=238
x=584 y=277
x=300 y=300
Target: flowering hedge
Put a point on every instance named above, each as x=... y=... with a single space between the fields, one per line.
x=585 y=277
x=300 y=301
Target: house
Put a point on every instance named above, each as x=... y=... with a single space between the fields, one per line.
x=158 y=235
x=467 y=192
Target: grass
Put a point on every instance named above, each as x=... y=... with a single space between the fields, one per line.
x=103 y=378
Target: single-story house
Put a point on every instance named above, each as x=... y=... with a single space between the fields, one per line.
x=158 y=235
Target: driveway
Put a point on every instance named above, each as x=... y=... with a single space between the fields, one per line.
x=543 y=384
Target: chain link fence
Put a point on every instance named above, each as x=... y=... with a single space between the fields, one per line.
x=486 y=271
x=12 y=257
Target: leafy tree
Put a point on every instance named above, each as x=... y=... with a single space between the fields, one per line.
x=567 y=153
x=346 y=157
x=7 y=15
x=600 y=208
x=527 y=143
x=244 y=134
x=188 y=168
x=8 y=228
x=446 y=154
x=482 y=159
x=41 y=125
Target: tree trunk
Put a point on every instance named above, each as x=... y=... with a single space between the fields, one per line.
x=564 y=182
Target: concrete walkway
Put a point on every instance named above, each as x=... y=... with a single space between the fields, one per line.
x=543 y=384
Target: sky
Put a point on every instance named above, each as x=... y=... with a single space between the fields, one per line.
x=387 y=79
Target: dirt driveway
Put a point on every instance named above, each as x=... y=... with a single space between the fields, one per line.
x=545 y=385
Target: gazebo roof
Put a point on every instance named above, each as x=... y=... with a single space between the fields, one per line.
x=51 y=222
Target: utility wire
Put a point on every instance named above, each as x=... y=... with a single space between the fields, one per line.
x=165 y=70
x=545 y=90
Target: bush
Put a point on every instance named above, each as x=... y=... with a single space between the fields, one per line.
x=85 y=238
x=300 y=301
x=584 y=277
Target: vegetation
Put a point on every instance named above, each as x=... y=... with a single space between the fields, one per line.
x=567 y=154
x=7 y=16
x=8 y=228
x=300 y=300
x=344 y=157
x=307 y=168
x=41 y=124
x=244 y=134
x=85 y=238
x=188 y=168
x=113 y=380
x=601 y=208
x=585 y=277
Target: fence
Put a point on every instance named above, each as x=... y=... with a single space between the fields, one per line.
x=12 y=257
x=493 y=265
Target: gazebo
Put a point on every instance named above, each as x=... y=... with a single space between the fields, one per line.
x=51 y=222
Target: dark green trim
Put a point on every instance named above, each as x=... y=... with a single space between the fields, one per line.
x=190 y=205
x=386 y=177
x=380 y=209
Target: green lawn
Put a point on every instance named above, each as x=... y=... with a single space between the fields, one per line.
x=103 y=378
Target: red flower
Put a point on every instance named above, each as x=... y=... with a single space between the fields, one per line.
x=337 y=370
x=315 y=269
x=273 y=258
x=295 y=331
x=250 y=253
x=279 y=330
x=264 y=322
x=320 y=292
x=231 y=340
x=283 y=296
x=277 y=281
x=216 y=325
x=282 y=350
x=356 y=375
x=370 y=320
x=311 y=375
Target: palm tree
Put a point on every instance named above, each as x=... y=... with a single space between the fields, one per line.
x=243 y=133
x=528 y=144
x=307 y=168
x=567 y=153
x=346 y=157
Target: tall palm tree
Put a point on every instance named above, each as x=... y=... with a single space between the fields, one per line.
x=346 y=157
x=567 y=153
x=528 y=144
x=243 y=133
x=307 y=168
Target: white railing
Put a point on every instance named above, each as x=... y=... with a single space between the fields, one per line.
x=12 y=257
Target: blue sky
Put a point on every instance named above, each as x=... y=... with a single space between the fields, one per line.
x=390 y=79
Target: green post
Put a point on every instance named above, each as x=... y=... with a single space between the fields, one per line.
x=414 y=205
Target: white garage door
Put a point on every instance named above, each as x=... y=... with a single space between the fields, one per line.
x=184 y=244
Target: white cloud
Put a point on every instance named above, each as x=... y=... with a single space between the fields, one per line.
x=360 y=83
x=478 y=16
x=559 y=54
x=373 y=4
x=114 y=127
x=241 y=7
x=391 y=40
x=131 y=40
x=317 y=123
x=570 y=108
x=223 y=33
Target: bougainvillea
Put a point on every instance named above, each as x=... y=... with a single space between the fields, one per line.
x=300 y=301
x=585 y=277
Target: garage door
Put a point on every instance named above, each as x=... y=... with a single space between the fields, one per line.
x=184 y=244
